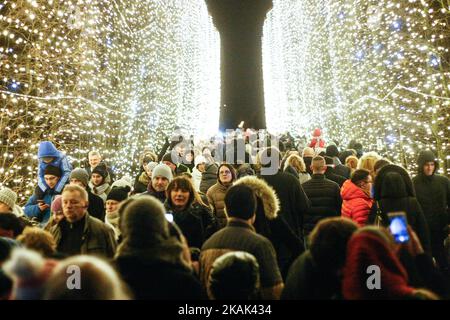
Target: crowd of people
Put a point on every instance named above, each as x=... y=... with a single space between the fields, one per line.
x=249 y=216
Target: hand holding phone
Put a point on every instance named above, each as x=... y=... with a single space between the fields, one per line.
x=414 y=246
x=42 y=205
x=398 y=225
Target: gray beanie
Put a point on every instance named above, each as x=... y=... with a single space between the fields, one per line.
x=80 y=174
x=8 y=197
x=162 y=170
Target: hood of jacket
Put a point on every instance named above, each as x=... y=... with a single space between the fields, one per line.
x=264 y=192
x=382 y=188
x=48 y=149
x=351 y=191
x=424 y=157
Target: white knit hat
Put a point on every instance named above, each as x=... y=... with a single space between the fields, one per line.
x=199 y=159
x=8 y=197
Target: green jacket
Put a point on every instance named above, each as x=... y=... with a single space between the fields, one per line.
x=98 y=238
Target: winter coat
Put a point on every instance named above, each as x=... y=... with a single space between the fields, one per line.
x=96 y=207
x=308 y=161
x=356 y=203
x=47 y=149
x=216 y=198
x=330 y=174
x=209 y=177
x=97 y=239
x=161 y=196
x=271 y=225
x=158 y=273
x=141 y=182
x=291 y=170
x=181 y=168
x=196 y=222
x=306 y=281
x=326 y=201
x=31 y=208
x=342 y=170
x=433 y=194
x=294 y=203
x=240 y=236
x=395 y=193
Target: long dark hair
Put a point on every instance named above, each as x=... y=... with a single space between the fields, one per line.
x=186 y=185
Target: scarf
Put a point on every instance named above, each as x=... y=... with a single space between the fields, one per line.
x=100 y=189
x=113 y=220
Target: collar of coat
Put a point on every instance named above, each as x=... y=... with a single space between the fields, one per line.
x=264 y=192
x=56 y=229
x=235 y=222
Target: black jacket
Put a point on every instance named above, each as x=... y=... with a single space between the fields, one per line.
x=325 y=196
x=394 y=191
x=433 y=194
x=268 y=223
x=330 y=174
x=139 y=187
x=294 y=202
x=342 y=171
x=197 y=223
x=306 y=281
x=155 y=279
x=96 y=207
x=414 y=215
x=161 y=196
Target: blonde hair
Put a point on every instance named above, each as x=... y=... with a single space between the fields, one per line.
x=296 y=162
x=75 y=188
x=308 y=152
x=351 y=162
x=38 y=240
x=367 y=161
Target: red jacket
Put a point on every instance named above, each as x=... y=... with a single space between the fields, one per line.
x=317 y=143
x=356 y=203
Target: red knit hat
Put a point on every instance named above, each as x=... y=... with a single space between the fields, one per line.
x=363 y=250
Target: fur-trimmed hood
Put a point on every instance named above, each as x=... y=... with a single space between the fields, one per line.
x=264 y=192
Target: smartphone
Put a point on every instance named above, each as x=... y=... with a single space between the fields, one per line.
x=169 y=217
x=398 y=225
